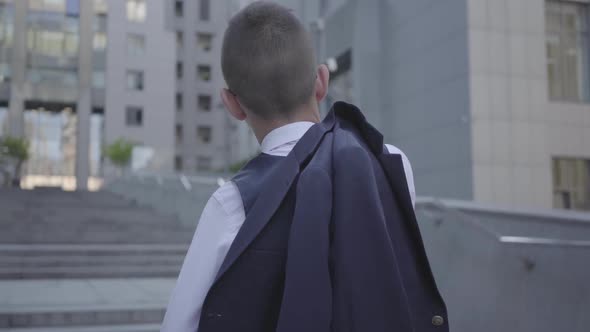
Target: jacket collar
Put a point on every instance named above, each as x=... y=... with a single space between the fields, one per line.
x=283 y=176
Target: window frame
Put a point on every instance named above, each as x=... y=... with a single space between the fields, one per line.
x=140 y=74
x=560 y=85
x=133 y=120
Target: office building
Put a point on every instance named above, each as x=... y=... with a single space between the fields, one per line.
x=488 y=98
x=75 y=75
x=206 y=138
x=52 y=62
x=140 y=83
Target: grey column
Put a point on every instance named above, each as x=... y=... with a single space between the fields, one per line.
x=18 y=66
x=84 y=104
x=366 y=60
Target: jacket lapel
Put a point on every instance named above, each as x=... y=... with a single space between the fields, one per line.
x=274 y=192
x=394 y=169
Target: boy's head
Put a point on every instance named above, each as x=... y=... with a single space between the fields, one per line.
x=269 y=65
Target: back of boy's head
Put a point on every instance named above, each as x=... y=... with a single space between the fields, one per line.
x=268 y=60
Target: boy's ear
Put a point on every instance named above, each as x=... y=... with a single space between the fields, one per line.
x=232 y=104
x=321 y=83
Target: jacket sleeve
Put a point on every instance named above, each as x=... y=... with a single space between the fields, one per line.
x=366 y=284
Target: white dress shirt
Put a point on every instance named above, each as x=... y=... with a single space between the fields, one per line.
x=219 y=224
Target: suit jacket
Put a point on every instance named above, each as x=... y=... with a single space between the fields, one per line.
x=331 y=243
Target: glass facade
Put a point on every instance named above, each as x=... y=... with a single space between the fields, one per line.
x=52 y=138
x=52 y=45
x=66 y=77
x=3 y=120
x=6 y=24
x=6 y=38
x=567 y=50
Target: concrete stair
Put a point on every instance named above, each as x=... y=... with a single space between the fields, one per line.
x=103 y=328
x=31 y=217
x=88 y=317
x=90 y=261
x=85 y=262
x=118 y=305
x=50 y=233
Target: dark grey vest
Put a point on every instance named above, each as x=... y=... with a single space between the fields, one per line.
x=251 y=177
x=248 y=297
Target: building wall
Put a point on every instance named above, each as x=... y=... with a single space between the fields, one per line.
x=410 y=77
x=157 y=97
x=516 y=130
x=46 y=75
x=221 y=150
x=429 y=93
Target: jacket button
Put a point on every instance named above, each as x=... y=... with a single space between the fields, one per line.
x=438 y=320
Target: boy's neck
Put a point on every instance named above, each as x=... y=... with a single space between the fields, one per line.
x=261 y=127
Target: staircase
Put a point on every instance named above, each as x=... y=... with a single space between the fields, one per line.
x=84 y=261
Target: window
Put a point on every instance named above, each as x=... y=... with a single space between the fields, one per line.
x=71 y=44
x=4 y=72
x=135 y=44
x=98 y=79
x=100 y=7
x=49 y=5
x=567 y=50
x=179 y=41
x=53 y=76
x=204 y=41
x=178 y=134
x=571 y=183
x=136 y=10
x=179 y=101
x=45 y=42
x=178 y=8
x=134 y=80
x=100 y=21
x=204 y=72
x=178 y=163
x=203 y=163
x=204 y=10
x=204 y=102
x=100 y=41
x=179 y=70
x=6 y=24
x=134 y=116
x=204 y=134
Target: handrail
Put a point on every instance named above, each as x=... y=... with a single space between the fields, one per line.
x=187 y=185
x=525 y=240
x=569 y=216
x=507 y=239
x=5 y=248
x=187 y=181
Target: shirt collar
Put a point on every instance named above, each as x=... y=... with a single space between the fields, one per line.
x=284 y=134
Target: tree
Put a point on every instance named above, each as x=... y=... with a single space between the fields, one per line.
x=17 y=150
x=119 y=153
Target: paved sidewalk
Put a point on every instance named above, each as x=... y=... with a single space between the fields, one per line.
x=26 y=296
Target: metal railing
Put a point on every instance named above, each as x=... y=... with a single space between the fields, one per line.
x=427 y=204
x=187 y=181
